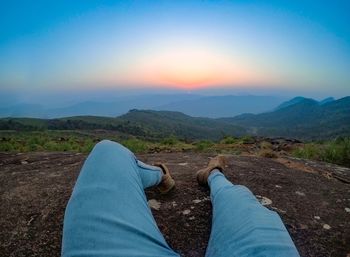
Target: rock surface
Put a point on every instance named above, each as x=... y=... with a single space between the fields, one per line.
x=35 y=188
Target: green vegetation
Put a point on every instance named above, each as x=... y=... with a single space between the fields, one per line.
x=204 y=145
x=81 y=141
x=229 y=140
x=84 y=141
x=335 y=151
x=45 y=141
x=137 y=145
x=146 y=125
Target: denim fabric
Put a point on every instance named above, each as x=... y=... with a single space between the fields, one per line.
x=108 y=214
x=241 y=226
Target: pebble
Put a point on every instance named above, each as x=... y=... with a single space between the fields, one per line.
x=24 y=162
x=347 y=209
x=300 y=193
x=183 y=164
x=264 y=200
x=154 y=204
x=191 y=218
x=278 y=210
x=278 y=186
x=317 y=217
x=174 y=204
x=326 y=226
x=186 y=212
x=196 y=201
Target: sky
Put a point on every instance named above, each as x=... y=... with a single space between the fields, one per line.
x=212 y=47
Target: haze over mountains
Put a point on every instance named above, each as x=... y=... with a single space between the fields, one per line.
x=190 y=104
x=301 y=118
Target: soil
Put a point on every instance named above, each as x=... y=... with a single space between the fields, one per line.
x=312 y=198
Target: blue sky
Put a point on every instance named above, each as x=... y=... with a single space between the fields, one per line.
x=263 y=47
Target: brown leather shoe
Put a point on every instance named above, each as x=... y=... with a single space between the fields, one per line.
x=167 y=183
x=217 y=162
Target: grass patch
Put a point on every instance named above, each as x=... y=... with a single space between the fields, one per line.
x=229 y=140
x=137 y=145
x=204 y=145
x=336 y=151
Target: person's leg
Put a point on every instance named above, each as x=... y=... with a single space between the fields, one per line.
x=241 y=226
x=108 y=214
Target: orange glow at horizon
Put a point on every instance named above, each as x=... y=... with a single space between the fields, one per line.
x=192 y=67
x=187 y=68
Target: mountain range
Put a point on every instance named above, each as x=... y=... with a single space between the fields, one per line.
x=300 y=118
x=190 y=104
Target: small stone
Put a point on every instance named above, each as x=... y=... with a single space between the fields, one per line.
x=278 y=186
x=197 y=201
x=154 y=204
x=24 y=162
x=183 y=164
x=192 y=207
x=300 y=193
x=174 y=204
x=186 y=212
x=278 y=210
x=326 y=226
x=317 y=217
x=347 y=209
x=265 y=201
x=191 y=218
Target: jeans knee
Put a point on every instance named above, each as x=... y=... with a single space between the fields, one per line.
x=108 y=145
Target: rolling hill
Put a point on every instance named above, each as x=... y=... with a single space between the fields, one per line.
x=190 y=104
x=304 y=119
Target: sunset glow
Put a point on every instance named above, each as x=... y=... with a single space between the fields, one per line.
x=187 y=67
x=175 y=44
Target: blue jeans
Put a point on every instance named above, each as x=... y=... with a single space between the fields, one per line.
x=108 y=214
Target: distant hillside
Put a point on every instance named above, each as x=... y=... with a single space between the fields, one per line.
x=140 y=123
x=190 y=104
x=306 y=119
x=223 y=106
x=299 y=99
x=165 y=123
x=303 y=119
x=119 y=106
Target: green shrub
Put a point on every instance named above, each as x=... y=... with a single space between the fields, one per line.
x=204 y=145
x=51 y=146
x=170 y=141
x=88 y=145
x=136 y=145
x=336 y=151
x=228 y=140
x=248 y=140
x=309 y=151
x=6 y=147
